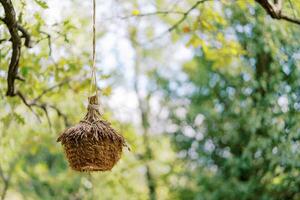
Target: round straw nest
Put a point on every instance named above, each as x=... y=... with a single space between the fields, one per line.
x=92 y=145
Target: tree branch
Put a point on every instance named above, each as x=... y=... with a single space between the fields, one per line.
x=7 y=179
x=5 y=183
x=14 y=28
x=289 y=19
x=275 y=10
x=185 y=15
x=44 y=106
x=152 y=14
x=2 y=174
x=50 y=89
x=11 y=23
x=48 y=36
x=26 y=35
x=3 y=40
x=181 y=20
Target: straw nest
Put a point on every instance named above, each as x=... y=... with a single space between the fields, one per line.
x=92 y=145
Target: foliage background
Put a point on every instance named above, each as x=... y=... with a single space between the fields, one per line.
x=210 y=104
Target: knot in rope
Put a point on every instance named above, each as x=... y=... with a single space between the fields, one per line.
x=94 y=107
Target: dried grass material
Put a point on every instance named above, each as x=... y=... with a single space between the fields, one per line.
x=92 y=145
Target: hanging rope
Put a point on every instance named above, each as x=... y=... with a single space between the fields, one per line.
x=94 y=77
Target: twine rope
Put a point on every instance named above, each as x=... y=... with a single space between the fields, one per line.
x=94 y=76
x=90 y=123
x=94 y=106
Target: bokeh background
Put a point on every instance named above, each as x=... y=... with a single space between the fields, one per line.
x=206 y=93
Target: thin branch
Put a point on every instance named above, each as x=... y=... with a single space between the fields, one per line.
x=152 y=14
x=50 y=89
x=49 y=39
x=185 y=15
x=18 y=77
x=275 y=10
x=29 y=105
x=289 y=19
x=48 y=36
x=44 y=106
x=7 y=179
x=60 y=114
x=2 y=174
x=26 y=35
x=180 y=21
x=4 y=40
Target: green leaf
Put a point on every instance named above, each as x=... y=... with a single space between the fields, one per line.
x=24 y=71
x=19 y=119
x=42 y=4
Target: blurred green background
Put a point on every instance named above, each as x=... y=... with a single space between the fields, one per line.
x=205 y=92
